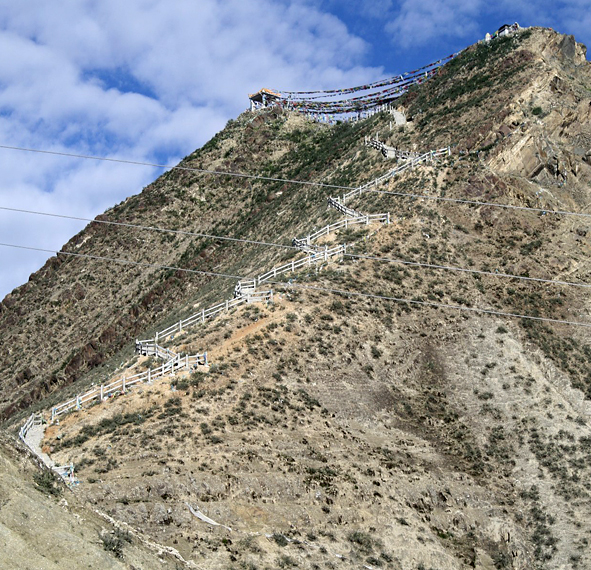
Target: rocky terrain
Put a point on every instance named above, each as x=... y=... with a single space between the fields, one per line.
x=43 y=526
x=400 y=429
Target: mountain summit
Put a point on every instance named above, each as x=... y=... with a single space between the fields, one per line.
x=415 y=391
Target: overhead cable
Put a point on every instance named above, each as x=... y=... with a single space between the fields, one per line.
x=300 y=182
x=478 y=203
x=123 y=261
x=151 y=228
x=428 y=303
x=472 y=271
x=176 y=167
x=291 y=247
x=311 y=287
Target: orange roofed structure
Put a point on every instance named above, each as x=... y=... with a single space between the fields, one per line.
x=263 y=98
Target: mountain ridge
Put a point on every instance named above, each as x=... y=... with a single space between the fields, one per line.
x=322 y=415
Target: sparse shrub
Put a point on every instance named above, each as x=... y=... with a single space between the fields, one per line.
x=279 y=539
x=485 y=396
x=286 y=561
x=363 y=540
x=48 y=482
x=114 y=541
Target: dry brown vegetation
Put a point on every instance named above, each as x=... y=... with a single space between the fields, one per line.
x=332 y=430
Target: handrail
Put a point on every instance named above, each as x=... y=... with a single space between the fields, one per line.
x=305 y=243
x=390 y=152
x=427 y=156
x=104 y=391
x=324 y=255
x=33 y=419
x=245 y=291
x=337 y=205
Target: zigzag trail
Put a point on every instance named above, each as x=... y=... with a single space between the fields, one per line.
x=246 y=291
x=388 y=151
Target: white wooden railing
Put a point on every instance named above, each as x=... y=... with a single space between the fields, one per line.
x=121 y=385
x=34 y=419
x=388 y=151
x=244 y=288
x=245 y=292
x=336 y=204
x=409 y=165
x=306 y=244
x=311 y=259
x=212 y=312
x=66 y=472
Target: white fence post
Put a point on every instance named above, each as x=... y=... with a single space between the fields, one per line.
x=203 y=315
x=123 y=385
x=102 y=392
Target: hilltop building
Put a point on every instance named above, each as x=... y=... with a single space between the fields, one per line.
x=504 y=30
x=263 y=98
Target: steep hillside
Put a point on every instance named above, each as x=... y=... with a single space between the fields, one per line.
x=75 y=313
x=43 y=526
x=413 y=426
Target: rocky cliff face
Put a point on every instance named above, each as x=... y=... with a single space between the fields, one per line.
x=334 y=429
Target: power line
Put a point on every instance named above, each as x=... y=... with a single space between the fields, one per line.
x=272 y=244
x=473 y=271
x=477 y=203
x=176 y=167
x=287 y=285
x=152 y=228
x=429 y=304
x=300 y=182
x=123 y=261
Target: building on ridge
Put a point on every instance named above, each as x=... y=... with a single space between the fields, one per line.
x=264 y=98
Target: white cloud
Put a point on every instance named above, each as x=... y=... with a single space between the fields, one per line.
x=141 y=79
x=419 y=23
x=413 y=25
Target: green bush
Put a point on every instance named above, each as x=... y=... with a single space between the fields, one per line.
x=48 y=483
x=279 y=539
x=114 y=541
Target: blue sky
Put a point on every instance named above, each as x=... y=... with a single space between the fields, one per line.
x=151 y=80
